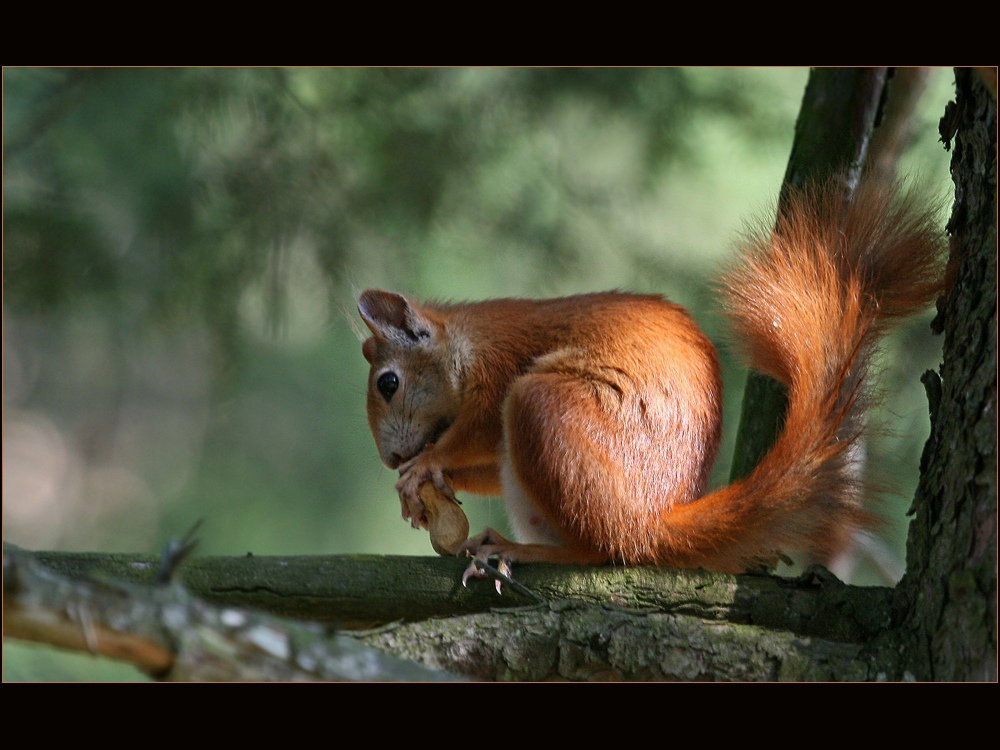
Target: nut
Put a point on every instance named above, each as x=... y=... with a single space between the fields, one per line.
x=448 y=525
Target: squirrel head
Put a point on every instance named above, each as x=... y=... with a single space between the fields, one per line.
x=413 y=395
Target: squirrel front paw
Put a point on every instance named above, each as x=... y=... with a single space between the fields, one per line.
x=412 y=475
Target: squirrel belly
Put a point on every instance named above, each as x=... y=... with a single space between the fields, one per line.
x=598 y=416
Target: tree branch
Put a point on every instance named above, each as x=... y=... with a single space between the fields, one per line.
x=172 y=635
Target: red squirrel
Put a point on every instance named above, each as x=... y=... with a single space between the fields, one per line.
x=598 y=416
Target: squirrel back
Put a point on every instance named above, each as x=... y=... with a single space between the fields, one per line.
x=598 y=416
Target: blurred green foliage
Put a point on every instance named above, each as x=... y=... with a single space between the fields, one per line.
x=182 y=250
x=168 y=191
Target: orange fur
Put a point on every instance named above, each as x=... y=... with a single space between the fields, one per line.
x=598 y=416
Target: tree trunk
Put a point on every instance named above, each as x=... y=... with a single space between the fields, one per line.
x=948 y=598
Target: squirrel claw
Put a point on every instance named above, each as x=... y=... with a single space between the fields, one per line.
x=474 y=571
x=481 y=548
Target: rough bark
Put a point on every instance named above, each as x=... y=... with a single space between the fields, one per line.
x=948 y=597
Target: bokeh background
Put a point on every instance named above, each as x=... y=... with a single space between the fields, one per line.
x=183 y=248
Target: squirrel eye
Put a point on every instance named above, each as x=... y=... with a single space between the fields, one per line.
x=387 y=384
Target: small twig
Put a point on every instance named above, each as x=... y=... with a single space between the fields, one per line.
x=174 y=553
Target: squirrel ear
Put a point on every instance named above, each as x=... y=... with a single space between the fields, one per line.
x=391 y=317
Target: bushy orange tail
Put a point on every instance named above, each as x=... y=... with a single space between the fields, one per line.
x=808 y=301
